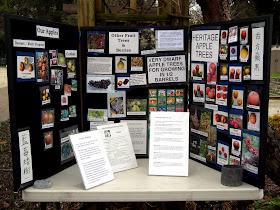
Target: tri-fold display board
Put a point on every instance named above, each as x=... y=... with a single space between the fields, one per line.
x=125 y=73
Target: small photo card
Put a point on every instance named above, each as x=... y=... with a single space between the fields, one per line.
x=210 y=93
x=235 y=123
x=223 y=53
x=96 y=41
x=64 y=115
x=121 y=64
x=137 y=64
x=136 y=106
x=53 y=57
x=222 y=153
x=116 y=104
x=25 y=66
x=233 y=53
x=42 y=66
x=233 y=34
x=254 y=121
x=100 y=83
x=198 y=92
x=48 y=140
x=197 y=71
x=71 y=68
x=236 y=147
x=64 y=100
x=237 y=101
x=56 y=77
x=123 y=81
x=97 y=115
x=244 y=35
x=67 y=90
x=221 y=94
x=74 y=85
x=211 y=73
x=253 y=97
x=235 y=73
x=47 y=118
x=72 y=111
x=147 y=41
x=246 y=72
x=244 y=53
x=224 y=36
x=224 y=72
x=45 y=95
x=61 y=60
x=220 y=119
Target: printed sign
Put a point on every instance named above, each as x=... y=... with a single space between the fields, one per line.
x=123 y=43
x=28 y=43
x=49 y=32
x=166 y=69
x=205 y=45
x=257 y=53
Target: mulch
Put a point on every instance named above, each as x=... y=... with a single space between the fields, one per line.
x=11 y=200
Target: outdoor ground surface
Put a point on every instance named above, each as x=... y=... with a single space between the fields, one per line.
x=11 y=200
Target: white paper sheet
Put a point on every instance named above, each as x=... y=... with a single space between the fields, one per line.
x=91 y=158
x=169 y=143
x=118 y=146
x=25 y=157
x=138 y=134
x=99 y=65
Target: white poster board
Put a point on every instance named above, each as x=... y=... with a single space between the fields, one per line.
x=123 y=43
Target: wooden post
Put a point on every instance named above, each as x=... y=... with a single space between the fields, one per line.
x=86 y=13
x=133 y=9
x=100 y=8
x=185 y=5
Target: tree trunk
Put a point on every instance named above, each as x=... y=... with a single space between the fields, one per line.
x=215 y=10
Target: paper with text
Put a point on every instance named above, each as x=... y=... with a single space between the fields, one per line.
x=169 y=144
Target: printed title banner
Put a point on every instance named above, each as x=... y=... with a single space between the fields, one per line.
x=123 y=43
x=49 y=32
x=166 y=69
x=205 y=45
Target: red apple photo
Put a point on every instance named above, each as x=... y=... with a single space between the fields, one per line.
x=232 y=122
x=194 y=72
x=21 y=66
x=212 y=68
x=243 y=34
x=235 y=125
x=224 y=88
x=224 y=35
x=201 y=92
x=220 y=152
x=232 y=71
x=253 y=98
x=211 y=93
x=253 y=118
x=232 y=50
x=40 y=64
x=236 y=145
x=218 y=95
x=218 y=88
x=224 y=96
x=217 y=118
x=197 y=67
x=223 y=119
x=207 y=90
x=223 y=149
x=214 y=78
x=225 y=155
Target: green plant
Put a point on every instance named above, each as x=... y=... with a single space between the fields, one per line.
x=274 y=121
x=267 y=203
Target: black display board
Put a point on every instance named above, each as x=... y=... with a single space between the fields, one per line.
x=25 y=96
x=221 y=98
x=99 y=100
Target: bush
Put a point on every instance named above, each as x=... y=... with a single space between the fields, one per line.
x=274 y=121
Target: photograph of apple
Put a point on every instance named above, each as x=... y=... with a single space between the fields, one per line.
x=235 y=124
x=235 y=73
x=61 y=60
x=42 y=66
x=232 y=36
x=235 y=147
x=45 y=95
x=220 y=119
x=71 y=68
x=223 y=71
x=64 y=100
x=253 y=119
x=233 y=53
x=221 y=94
x=223 y=51
x=253 y=98
x=234 y=160
x=244 y=35
x=198 y=92
x=210 y=93
x=123 y=82
x=48 y=139
x=224 y=34
x=25 y=65
x=244 y=53
x=197 y=71
x=222 y=153
x=47 y=117
x=246 y=72
x=67 y=90
x=237 y=98
x=211 y=73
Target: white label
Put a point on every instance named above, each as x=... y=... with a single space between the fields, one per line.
x=123 y=43
x=138 y=79
x=49 y=32
x=25 y=157
x=99 y=65
x=71 y=54
x=211 y=106
x=257 y=53
x=28 y=43
x=166 y=69
x=170 y=40
x=234 y=132
x=202 y=159
x=199 y=132
x=205 y=45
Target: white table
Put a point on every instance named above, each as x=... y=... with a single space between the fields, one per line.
x=135 y=185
